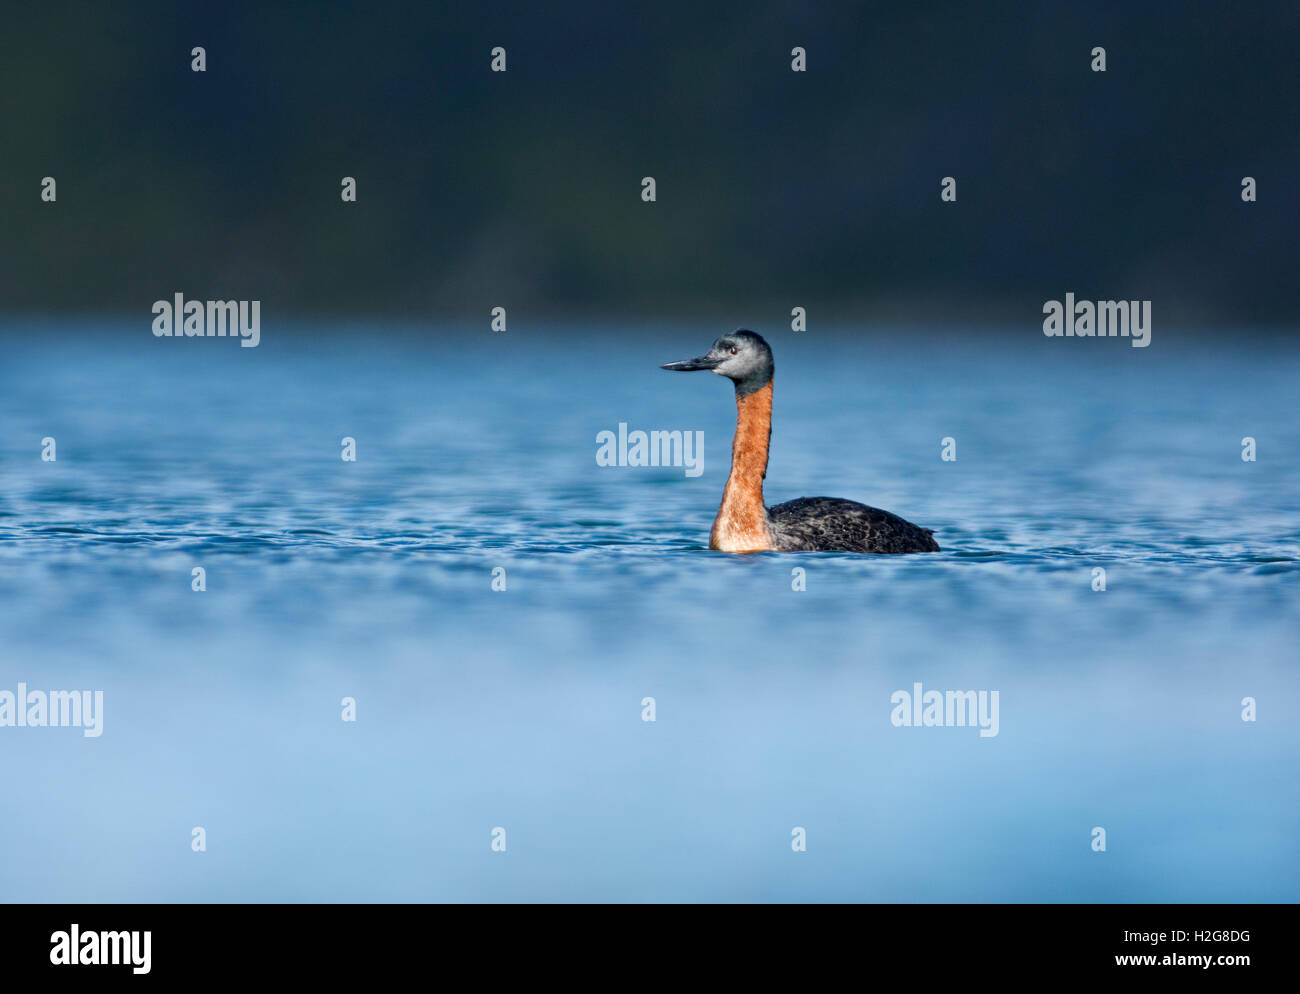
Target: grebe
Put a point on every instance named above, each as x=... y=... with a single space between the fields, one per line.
x=809 y=524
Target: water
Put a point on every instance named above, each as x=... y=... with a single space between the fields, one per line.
x=522 y=709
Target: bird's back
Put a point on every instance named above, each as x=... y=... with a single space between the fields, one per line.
x=826 y=524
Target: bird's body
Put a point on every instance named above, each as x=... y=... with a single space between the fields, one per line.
x=834 y=523
x=810 y=524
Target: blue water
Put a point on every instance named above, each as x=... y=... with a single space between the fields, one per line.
x=521 y=709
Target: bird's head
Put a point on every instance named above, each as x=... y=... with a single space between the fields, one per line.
x=742 y=357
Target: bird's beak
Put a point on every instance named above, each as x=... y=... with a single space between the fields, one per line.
x=691 y=365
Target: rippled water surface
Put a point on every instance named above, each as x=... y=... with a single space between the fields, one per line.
x=522 y=709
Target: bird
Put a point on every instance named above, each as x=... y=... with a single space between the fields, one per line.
x=809 y=524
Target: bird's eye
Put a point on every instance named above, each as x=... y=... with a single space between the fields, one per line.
x=734 y=350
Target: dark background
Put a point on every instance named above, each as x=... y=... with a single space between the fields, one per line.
x=775 y=188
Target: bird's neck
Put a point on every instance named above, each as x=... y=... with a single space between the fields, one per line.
x=741 y=524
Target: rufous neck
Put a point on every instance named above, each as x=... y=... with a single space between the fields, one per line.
x=753 y=436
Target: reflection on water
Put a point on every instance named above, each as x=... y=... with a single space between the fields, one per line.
x=522 y=709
